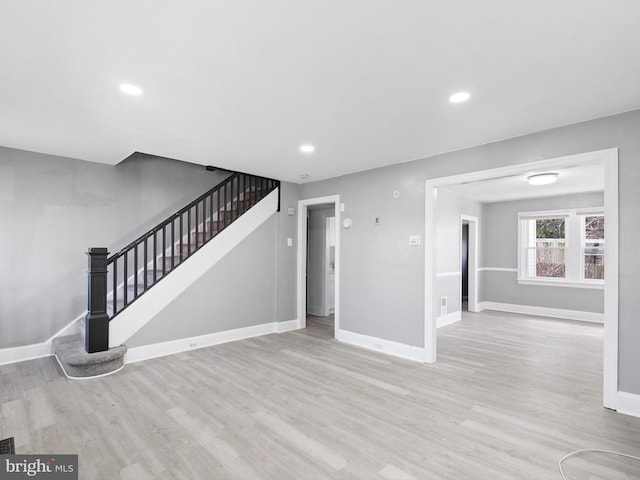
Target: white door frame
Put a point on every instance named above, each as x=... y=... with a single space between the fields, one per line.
x=609 y=158
x=326 y=266
x=303 y=208
x=472 y=261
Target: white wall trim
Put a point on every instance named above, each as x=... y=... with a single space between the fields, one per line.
x=497 y=269
x=402 y=350
x=315 y=310
x=448 y=319
x=286 y=326
x=609 y=158
x=544 y=311
x=26 y=352
x=39 y=350
x=628 y=403
x=139 y=313
x=611 y=296
x=303 y=208
x=146 y=352
x=560 y=283
x=448 y=274
x=45 y=349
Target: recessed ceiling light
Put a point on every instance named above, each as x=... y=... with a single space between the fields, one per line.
x=307 y=148
x=459 y=97
x=130 y=89
x=304 y=176
x=542 y=178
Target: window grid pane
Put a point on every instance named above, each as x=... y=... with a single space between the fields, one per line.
x=550 y=262
x=593 y=248
x=594 y=227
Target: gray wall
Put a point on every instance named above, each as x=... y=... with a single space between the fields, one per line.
x=449 y=208
x=316 y=251
x=381 y=276
x=239 y=291
x=54 y=208
x=499 y=244
x=252 y=285
x=382 y=282
x=287 y=256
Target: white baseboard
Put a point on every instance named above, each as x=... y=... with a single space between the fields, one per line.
x=287 y=326
x=146 y=352
x=448 y=319
x=543 y=311
x=139 y=313
x=315 y=310
x=396 y=349
x=38 y=350
x=628 y=403
x=26 y=352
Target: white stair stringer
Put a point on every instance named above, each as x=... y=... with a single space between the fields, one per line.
x=144 y=309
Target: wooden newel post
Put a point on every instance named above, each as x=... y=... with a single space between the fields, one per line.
x=97 y=322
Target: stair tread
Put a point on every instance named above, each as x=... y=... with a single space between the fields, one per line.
x=70 y=350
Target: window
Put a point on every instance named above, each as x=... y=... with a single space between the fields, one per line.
x=593 y=247
x=562 y=248
x=546 y=249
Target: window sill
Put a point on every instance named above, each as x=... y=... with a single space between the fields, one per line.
x=596 y=285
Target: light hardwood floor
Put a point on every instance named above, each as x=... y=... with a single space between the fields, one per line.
x=509 y=396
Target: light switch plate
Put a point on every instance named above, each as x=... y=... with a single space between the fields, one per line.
x=289 y=242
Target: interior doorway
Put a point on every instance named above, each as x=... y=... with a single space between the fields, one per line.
x=609 y=160
x=464 y=266
x=469 y=263
x=319 y=259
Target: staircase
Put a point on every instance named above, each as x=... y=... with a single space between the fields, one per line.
x=122 y=279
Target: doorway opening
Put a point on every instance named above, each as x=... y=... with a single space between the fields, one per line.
x=469 y=263
x=608 y=159
x=464 y=266
x=319 y=264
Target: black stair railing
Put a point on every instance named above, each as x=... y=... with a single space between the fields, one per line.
x=139 y=266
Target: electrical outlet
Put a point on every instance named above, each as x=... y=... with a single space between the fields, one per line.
x=379 y=346
x=193 y=345
x=443 y=306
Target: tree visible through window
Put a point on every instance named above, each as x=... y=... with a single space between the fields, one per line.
x=593 y=247
x=549 y=247
x=562 y=246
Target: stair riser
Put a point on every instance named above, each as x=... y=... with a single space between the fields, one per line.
x=76 y=362
x=227 y=215
x=150 y=278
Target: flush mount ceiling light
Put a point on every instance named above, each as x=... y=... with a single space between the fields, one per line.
x=130 y=89
x=307 y=148
x=542 y=178
x=459 y=97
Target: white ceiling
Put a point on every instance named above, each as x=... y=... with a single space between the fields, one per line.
x=585 y=178
x=242 y=84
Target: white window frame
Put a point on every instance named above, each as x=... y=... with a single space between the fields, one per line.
x=574 y=248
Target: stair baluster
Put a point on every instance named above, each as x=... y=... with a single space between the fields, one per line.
x=227 y=201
